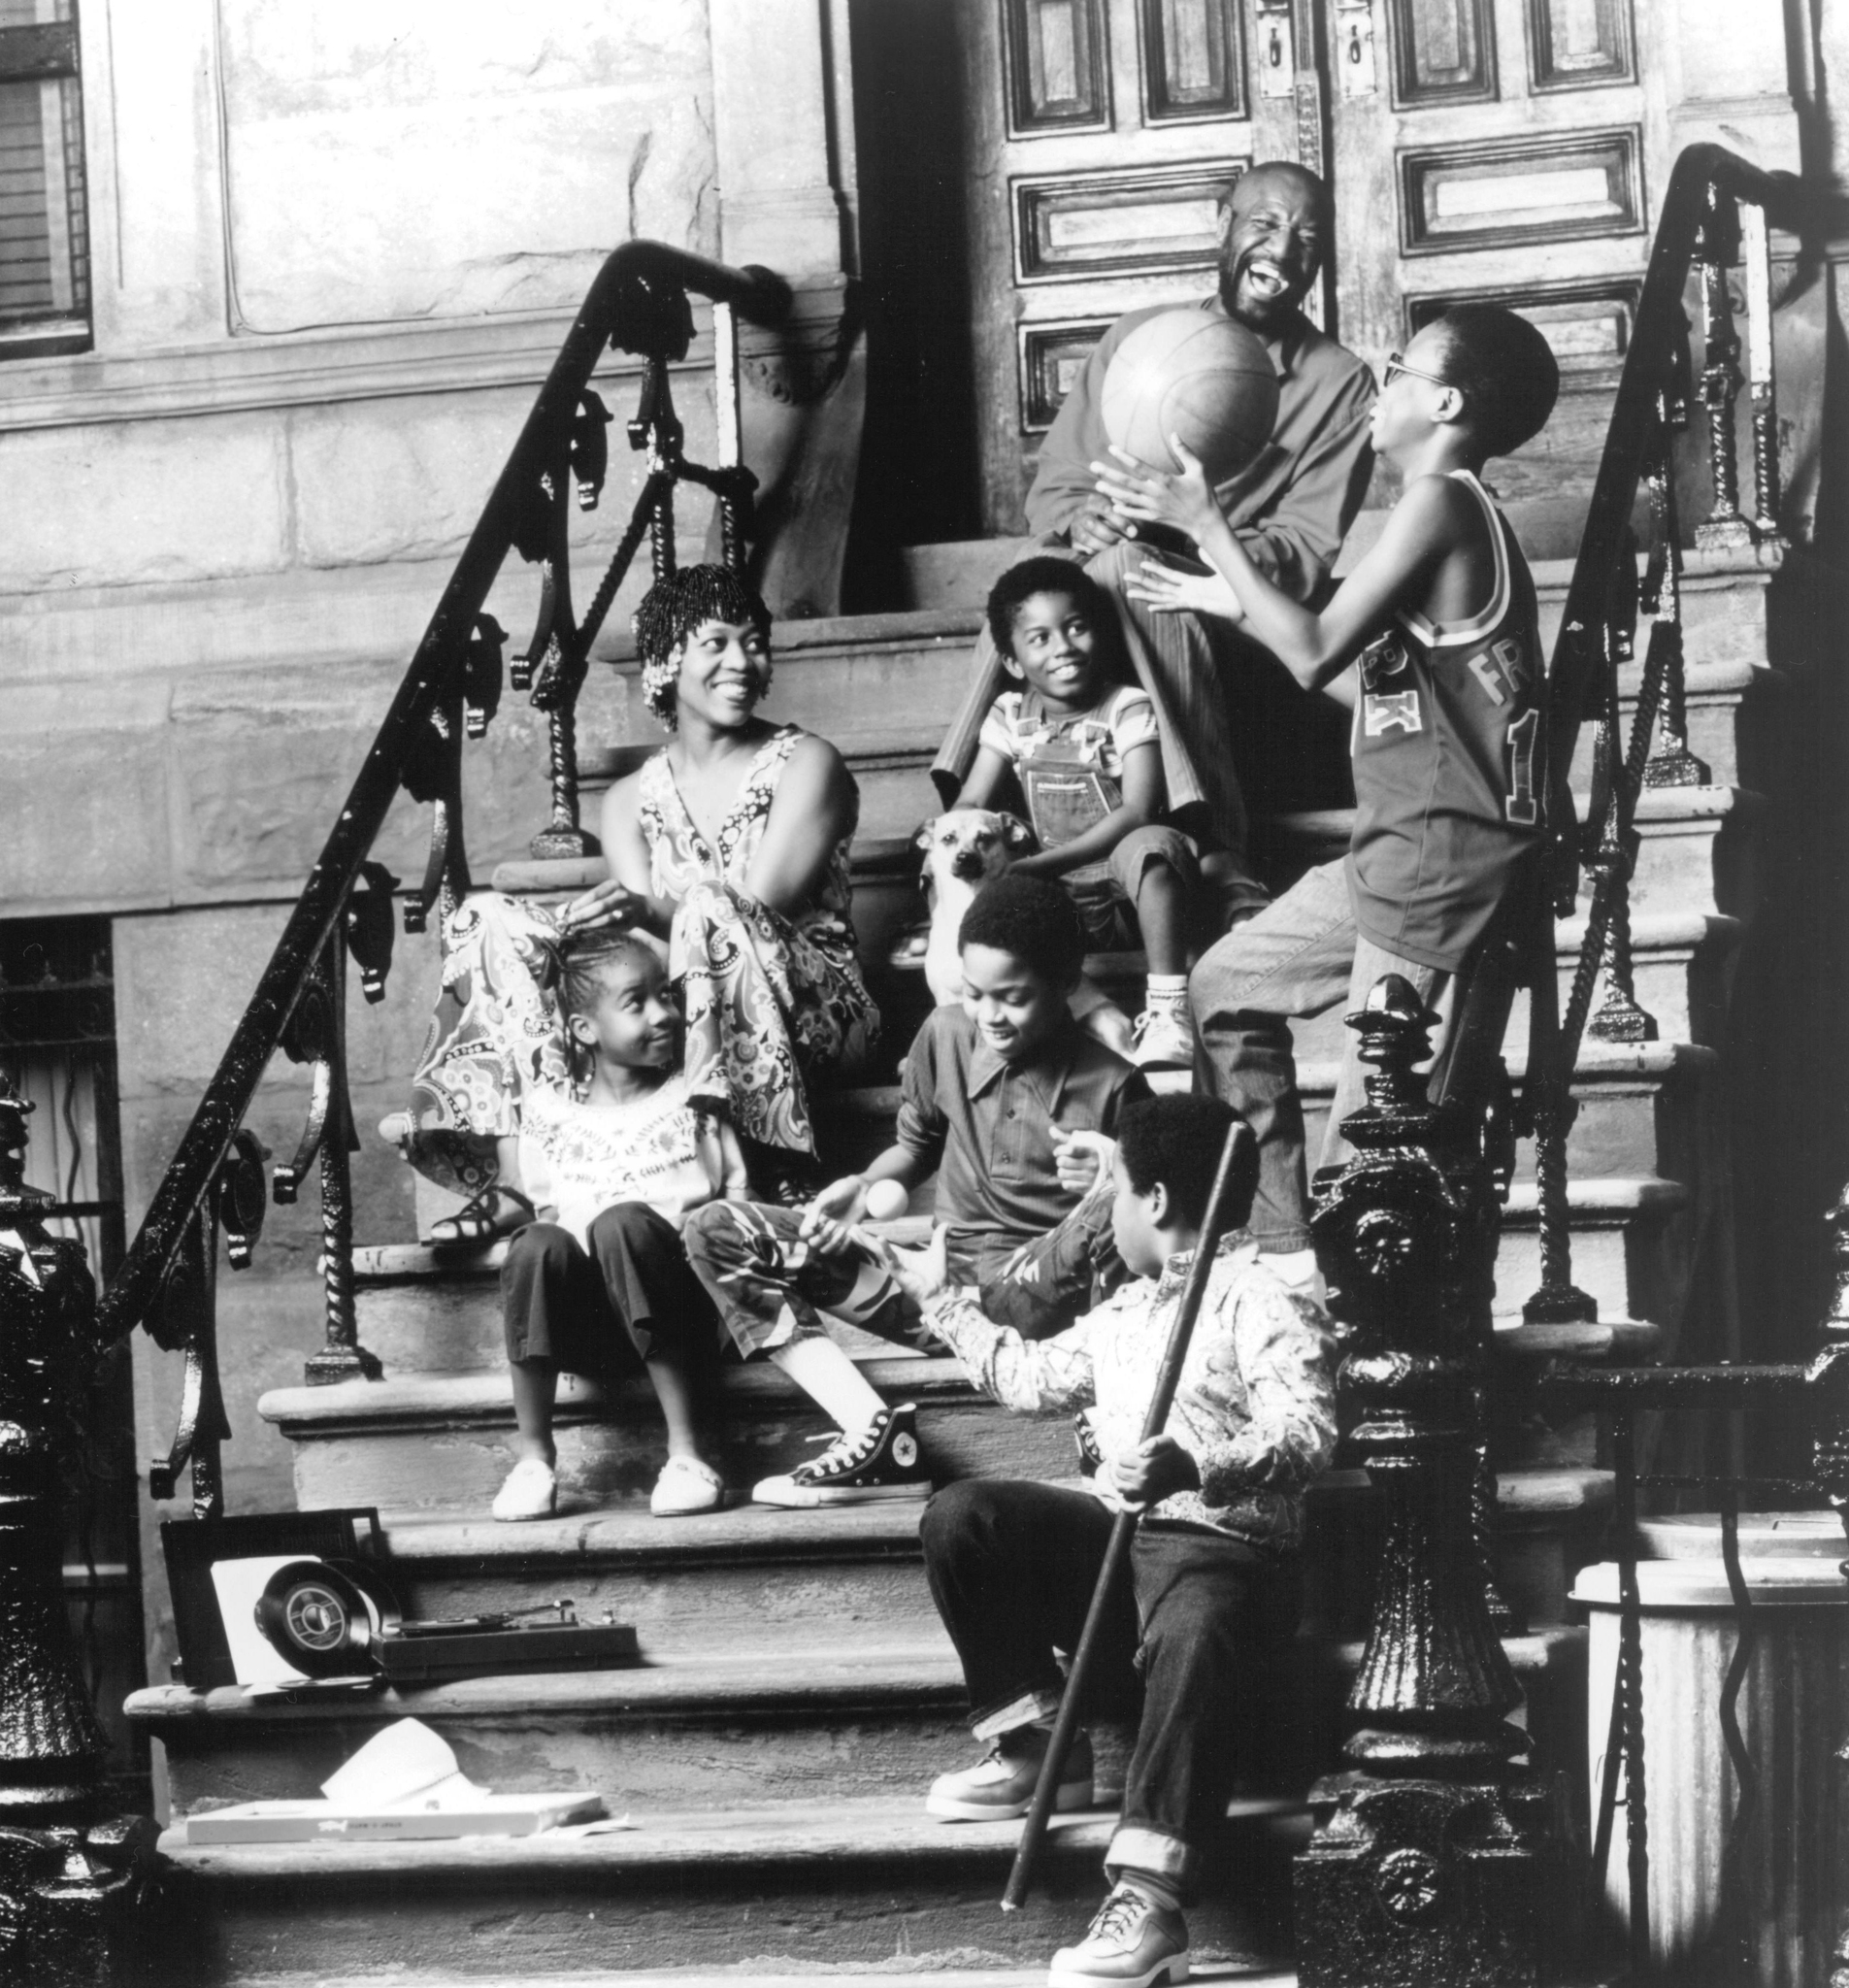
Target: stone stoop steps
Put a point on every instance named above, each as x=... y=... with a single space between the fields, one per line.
x=796 y=1691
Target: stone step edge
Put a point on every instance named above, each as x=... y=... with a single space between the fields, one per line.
x=598 y=765
x=758 y=1388
x=1599 y=1064
x=1701 y=571
x=815 y=1837
x=1659 y=810
x=633 y=1541
x=668 y=1684
x=679 y=1686
x=375 y=1263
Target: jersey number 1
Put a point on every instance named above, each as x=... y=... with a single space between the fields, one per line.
x=1524 y=734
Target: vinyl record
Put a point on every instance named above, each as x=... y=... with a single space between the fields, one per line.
x=325 y=1619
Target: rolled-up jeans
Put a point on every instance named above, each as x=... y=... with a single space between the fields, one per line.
x=1300 y=956
x=1012 y=1568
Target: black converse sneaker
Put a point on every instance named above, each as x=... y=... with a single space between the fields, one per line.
x=880 y=1462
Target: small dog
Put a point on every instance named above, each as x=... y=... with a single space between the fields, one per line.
x=964 y=851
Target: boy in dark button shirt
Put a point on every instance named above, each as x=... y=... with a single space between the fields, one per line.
x=1005 y=1096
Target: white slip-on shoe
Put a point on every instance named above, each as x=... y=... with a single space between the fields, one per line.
x=531 y=1491
x=687 y=1484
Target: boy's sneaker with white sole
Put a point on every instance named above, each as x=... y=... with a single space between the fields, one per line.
x=880 y=1462
x=1165 y=1039
x=1001 y=1787
x=1133 y=1942
x=531 y=1491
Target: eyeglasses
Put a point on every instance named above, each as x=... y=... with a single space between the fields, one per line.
x=1395 y=364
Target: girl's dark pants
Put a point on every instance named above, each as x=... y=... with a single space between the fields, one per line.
x=592 y=1311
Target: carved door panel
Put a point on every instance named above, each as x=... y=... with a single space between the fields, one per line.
x=1507 y=150
x=1100 y=135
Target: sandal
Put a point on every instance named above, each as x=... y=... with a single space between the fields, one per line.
x=480 y=1220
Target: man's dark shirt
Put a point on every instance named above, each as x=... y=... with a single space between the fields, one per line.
x=1291 y=506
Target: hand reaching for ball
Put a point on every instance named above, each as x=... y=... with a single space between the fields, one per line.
x=1183 y=500
x=1097 y=528
x=1164 y=591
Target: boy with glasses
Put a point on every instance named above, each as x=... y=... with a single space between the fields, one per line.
x=1433 y=641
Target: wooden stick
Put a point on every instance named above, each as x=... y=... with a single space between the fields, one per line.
x=1124 y=1531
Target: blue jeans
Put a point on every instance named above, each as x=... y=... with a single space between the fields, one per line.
x=1299 y=957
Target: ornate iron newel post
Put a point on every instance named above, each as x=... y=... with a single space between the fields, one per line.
x=70 y=1874
x=1434 y=1854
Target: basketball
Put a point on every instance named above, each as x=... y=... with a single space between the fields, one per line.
x=886 y=1201
x=1205 y=379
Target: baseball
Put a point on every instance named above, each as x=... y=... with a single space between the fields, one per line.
x=886 y=1201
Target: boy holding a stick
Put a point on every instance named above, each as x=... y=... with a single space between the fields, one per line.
x=1213 y=1565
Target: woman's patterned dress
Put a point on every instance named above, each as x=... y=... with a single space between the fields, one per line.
x=769 y=1000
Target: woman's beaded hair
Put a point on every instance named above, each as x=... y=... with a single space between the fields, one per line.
x=672 y=610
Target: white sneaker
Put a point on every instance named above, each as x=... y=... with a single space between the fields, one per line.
x=1000 y=1788
x=531 y=1491
x=1132 y=1944
x=686 y=1484
x=882 y=1462
x=1165 y=1039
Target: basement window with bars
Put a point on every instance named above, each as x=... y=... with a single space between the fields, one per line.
x=45 y=240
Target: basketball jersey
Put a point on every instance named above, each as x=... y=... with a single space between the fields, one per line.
x=1447 y=780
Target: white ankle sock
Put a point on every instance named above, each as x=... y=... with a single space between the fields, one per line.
x=1166 y=990
x=831 y=1380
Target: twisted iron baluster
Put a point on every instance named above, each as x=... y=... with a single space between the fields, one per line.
x=340 y=1357
x=664 y=464
x=1552 y=1107
x=1717 y=248
x=1757 y=254
x=1671 y=764
x=1619 y=1018
x=558 y=675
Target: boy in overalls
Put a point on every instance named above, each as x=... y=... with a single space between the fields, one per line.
x=1085 y=753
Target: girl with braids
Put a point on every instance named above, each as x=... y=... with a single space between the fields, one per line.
x=730 y=845
x=610 y=1174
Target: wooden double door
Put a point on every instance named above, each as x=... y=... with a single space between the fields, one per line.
x=1496 y=149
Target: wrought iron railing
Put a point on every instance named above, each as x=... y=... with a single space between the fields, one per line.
x=1717 y=211
x=639 y=303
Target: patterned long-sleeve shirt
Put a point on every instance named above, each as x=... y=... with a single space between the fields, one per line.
x=1256 y=1407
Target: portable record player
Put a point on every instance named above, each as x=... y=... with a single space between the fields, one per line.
x=339 y=1618
x=305 y=1598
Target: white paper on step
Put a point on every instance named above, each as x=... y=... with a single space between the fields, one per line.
x=402 y=1786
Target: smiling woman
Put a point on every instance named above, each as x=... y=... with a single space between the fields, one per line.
x=730 y=844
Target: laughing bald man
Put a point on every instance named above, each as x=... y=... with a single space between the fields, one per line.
x=1291 y=508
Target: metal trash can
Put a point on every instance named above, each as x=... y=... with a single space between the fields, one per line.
x=1766 y=1915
